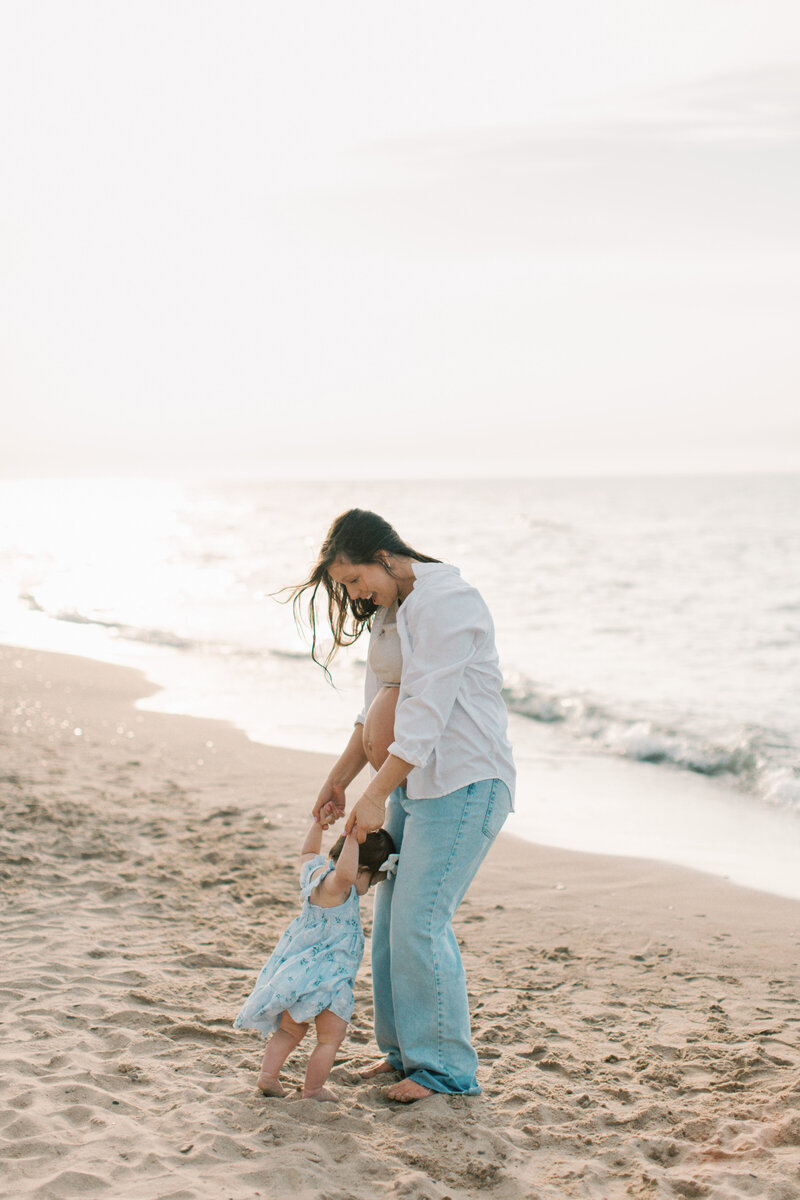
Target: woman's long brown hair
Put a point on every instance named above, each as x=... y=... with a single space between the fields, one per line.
x=358 y=536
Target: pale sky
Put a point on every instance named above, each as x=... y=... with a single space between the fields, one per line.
x=386 y=240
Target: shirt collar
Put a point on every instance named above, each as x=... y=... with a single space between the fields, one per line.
x=421 y=569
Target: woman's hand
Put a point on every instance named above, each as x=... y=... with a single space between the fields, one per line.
x=366 y=817
x=330 y=804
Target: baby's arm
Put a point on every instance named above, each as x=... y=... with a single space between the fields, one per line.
x=336 y=885
x=313 y=843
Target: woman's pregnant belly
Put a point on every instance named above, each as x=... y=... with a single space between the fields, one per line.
x=379 y=726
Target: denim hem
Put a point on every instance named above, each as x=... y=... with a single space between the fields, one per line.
x=434 y=1082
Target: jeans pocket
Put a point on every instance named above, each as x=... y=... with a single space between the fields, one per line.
x=497 y=809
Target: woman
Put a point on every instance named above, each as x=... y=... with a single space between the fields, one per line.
x=434 y=729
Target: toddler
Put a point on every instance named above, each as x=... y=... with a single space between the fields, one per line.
x=311 y=972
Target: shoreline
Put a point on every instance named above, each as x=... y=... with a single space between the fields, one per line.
x=569 y=796
x=635 y=1022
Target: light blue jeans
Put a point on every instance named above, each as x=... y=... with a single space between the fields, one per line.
x=420 y=989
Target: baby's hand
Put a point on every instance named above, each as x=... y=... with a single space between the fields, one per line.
x=329 y=814
x=330 y=805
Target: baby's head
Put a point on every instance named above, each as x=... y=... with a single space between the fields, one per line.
x=372 y=854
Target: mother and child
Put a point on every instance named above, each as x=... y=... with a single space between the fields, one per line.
x=434 y=731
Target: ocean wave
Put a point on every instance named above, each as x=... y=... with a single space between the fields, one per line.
x=647 y=743
x=156 y=637
x=741 y=756
x=164 y=637
x=31 y=602
x=131 y=633
x=781 y=786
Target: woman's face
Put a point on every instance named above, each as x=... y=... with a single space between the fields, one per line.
x=365 y=581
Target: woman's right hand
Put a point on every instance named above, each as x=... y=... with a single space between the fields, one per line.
x=330 y=804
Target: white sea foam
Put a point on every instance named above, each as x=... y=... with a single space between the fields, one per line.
x=742 y=755
x=781 y=787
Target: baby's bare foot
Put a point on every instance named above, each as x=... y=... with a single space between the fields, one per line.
x=323 y=1094
x=379 y=1068
x=270 y=1086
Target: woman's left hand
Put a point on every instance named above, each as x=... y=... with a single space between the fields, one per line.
x=366 y=817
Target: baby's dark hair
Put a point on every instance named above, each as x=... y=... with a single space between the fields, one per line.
x=372 y=852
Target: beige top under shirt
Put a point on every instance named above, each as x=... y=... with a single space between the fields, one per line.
x=384 y=655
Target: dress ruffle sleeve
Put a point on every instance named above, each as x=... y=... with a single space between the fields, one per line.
x=307 y=884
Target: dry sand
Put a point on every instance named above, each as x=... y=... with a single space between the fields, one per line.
x=637 y=1025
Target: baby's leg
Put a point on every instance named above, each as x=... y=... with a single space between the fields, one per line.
x=330 y=1035
x=279 y=1047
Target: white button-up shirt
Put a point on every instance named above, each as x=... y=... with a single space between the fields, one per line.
x=451 y=720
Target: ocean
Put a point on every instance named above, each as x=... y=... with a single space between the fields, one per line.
x=651 y=621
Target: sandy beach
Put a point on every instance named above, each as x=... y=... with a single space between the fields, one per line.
x=637 y=1024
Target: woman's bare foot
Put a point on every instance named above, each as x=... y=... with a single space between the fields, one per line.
x=270 y=1086
x=407 y=1091
x=323 y=1094
x=379 y=1068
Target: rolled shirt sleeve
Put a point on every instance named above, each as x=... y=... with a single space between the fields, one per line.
x=438 y=645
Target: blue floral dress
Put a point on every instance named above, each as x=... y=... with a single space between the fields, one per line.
x=314 y=965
